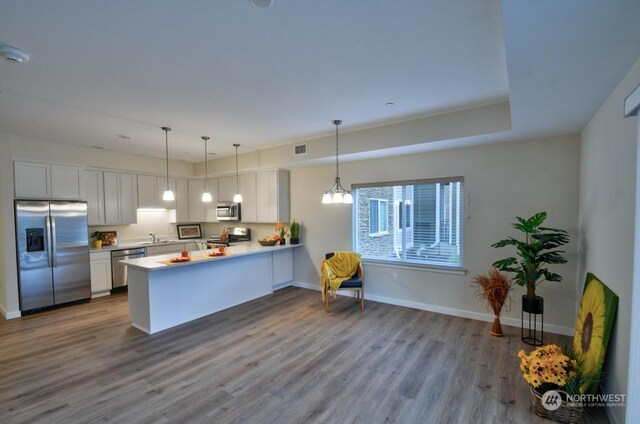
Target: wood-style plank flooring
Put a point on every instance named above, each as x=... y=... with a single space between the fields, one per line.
x=279 y=359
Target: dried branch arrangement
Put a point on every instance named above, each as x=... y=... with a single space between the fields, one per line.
x=495 y=290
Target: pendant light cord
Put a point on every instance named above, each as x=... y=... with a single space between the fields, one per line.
x=337 y=170
x=205 y=163
x=166 y=145
x=237 y=175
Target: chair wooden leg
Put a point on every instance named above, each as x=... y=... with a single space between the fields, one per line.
x=326 y=299
x=362 y=299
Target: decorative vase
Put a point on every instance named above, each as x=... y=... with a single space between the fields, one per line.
x=294 y=240
x=534 y=308
x=496 y=328
x=97 y=244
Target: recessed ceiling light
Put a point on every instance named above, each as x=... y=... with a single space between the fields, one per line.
x=125 y=137
x=99 y=147
x=389 y=104
x=262 y=3
x=13 y=54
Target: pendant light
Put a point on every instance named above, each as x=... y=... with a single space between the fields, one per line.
x=238 y=197
x=337 y=193
x=206 y=196
x=167 y=196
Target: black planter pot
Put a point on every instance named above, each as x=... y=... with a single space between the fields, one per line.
x=533 y=333
x=294 y=240
x=533 y=306
x=283 y=241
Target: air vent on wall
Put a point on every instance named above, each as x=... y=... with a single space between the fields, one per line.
x=300 y=149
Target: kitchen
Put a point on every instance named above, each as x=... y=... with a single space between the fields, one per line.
x=122 y=207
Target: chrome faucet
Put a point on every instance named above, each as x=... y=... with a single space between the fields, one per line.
x=154 y=237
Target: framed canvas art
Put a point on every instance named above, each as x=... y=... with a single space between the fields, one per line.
x=593 y=327
x=189 y=231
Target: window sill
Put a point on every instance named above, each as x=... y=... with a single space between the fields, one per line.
x=381 y=234
x=415 y=267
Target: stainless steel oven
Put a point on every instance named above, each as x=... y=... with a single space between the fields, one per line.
x=228 y=211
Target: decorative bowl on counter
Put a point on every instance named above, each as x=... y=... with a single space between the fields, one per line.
x=268 y=242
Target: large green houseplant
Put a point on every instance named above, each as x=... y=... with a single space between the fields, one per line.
x=538 y=249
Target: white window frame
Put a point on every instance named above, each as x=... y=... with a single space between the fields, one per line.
x=380 y=218
x=459 y=214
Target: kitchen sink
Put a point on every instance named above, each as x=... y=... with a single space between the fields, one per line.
x=145 y=243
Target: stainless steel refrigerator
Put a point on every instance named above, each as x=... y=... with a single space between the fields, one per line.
x=53 y=253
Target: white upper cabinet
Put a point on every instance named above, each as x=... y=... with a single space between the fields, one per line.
x=129 y=198
x=48 y=181
x=210 y=208
x=248 y=210
x=148 y=192
x=272 y=196
x=32 y=180
x=66 y=182
x=161 y=184
x=120 y=198
x=111 y=198
x=196 y=206
x=94 y=194
x=182 y=200
x=227 y=188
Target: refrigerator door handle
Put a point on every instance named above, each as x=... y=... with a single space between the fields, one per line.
x=49 y=246
x=53 y=249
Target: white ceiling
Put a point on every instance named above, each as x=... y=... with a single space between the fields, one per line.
x=261 y=77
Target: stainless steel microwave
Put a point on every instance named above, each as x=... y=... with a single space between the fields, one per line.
x=228 y=211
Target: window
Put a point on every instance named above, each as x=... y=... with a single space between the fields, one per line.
x=426 y=221
x=402 y=223
x=378 y=219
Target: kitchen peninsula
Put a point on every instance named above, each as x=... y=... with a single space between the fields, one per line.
x=163 y=295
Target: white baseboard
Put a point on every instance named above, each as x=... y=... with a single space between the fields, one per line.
x=9 y=315
x=101 y=294
x=556 y=329
x=282 y=285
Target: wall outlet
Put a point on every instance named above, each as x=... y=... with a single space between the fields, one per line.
x=395 y=276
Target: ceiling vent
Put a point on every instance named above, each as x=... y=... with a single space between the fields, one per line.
x=300 y=149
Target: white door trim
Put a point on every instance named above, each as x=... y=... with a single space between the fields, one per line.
x=632 y=104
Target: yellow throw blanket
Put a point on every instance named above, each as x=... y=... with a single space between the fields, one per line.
x=337 y=269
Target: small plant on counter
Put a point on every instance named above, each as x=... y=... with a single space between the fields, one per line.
x=295 y=232
x=281 y=229
x=97 y=235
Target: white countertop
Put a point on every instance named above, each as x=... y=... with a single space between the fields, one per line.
x=136 y=244
x=153 y=263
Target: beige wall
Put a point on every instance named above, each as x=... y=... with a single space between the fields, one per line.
x=607 y=211
x=503 y=180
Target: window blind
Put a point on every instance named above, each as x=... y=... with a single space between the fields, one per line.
x=416 y=221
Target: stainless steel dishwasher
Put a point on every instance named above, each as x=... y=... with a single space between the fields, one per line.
x=118 y=270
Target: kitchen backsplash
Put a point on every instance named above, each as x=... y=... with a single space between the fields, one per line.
x=154 y=221
x=157 y=221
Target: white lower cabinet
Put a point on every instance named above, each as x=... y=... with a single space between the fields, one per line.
x=100 y=268
x=282 y=267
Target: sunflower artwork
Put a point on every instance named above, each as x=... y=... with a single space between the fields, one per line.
x=593 y=327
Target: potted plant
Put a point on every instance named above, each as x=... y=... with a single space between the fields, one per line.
x=295 y=232
x=538 y=249
x=494 y=289
x=97 y=235
x=282 y=232
x=554 y=378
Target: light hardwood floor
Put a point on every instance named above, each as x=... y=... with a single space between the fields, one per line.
x=279 y=359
